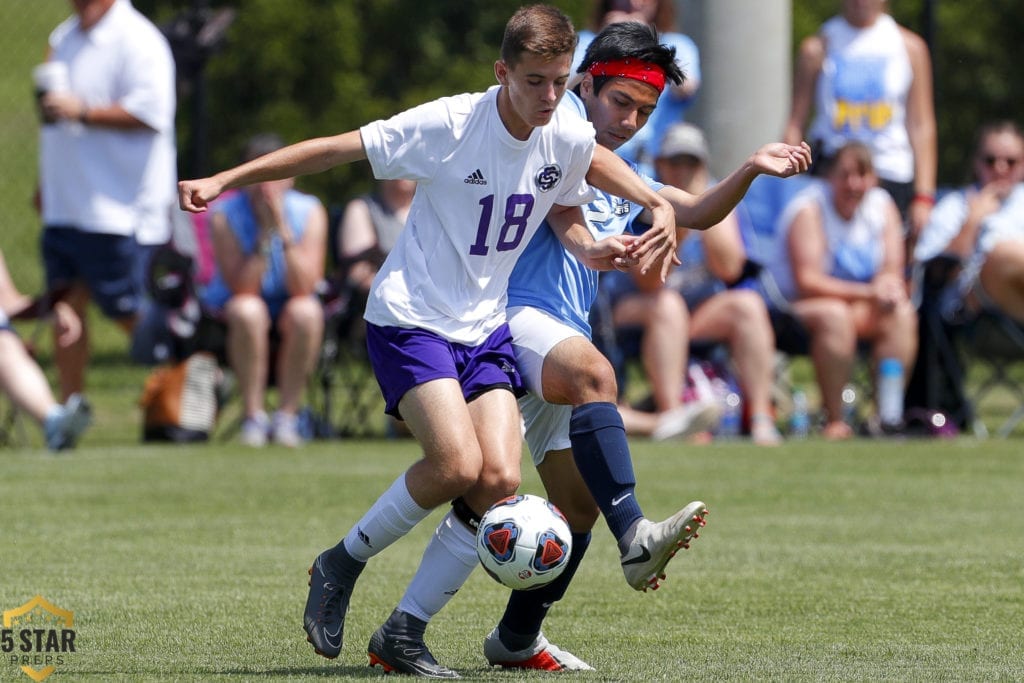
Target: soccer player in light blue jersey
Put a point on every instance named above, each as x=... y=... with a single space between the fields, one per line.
x=574 y=430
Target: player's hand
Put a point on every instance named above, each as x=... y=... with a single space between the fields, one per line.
x=782 y=160
x=657 y=247
x=611 y=253
x=196 y=195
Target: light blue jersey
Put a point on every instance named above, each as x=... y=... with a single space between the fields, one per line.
x=550 y=278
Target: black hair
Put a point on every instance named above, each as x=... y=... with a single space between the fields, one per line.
x=633 y=40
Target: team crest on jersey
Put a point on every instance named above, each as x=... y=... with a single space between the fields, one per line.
x=548 y=177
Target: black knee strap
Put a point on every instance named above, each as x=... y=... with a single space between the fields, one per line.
x=465 y=514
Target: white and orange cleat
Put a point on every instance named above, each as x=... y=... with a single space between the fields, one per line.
x=540 y=655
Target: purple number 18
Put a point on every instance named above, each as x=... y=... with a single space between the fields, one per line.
x=518 y=208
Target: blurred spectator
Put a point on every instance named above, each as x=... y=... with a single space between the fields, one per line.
x=675 y=100
x=270 y=242
x=368 y=229
x=107 y=163
x=695 y=304
x=869 y=79
x=840 y=261
x=22 y=379
x=982 y=224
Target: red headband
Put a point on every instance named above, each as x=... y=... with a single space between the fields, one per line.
x=638 y=70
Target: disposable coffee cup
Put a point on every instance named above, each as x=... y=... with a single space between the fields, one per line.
x=50 y=77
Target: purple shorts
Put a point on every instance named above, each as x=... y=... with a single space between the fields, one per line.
x=403 y=358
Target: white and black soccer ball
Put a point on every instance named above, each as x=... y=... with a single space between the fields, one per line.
x=523 y=542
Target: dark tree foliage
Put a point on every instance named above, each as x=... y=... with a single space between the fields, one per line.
x=318 y=67
x=308 y=68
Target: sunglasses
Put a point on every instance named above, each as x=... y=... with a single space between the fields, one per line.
x=991 y=160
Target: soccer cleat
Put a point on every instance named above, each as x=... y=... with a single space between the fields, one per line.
x=405 y=656
x=540 y=655
x=326 y=606
x=655 y=543
x=63 y=430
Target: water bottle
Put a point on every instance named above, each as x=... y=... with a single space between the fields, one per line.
x=890 y=394
x=800 y=419
x=732 y=417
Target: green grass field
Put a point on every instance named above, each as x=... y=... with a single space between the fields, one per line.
x=872 y=560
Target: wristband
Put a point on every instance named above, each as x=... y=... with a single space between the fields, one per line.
x=924 y=198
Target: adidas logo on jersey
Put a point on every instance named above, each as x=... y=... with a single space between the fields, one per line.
x=475 y=178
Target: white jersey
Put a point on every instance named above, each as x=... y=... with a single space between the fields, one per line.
x=481 y=195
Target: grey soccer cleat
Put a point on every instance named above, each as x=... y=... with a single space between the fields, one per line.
x=329 y=591
x=655 y=543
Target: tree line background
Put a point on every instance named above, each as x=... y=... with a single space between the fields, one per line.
x=316 y=67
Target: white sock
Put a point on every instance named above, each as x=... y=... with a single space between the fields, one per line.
x=390 y=518
x=447 y=562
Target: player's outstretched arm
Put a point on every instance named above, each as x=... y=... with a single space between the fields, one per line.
x=657 y=247
x=302 y=158
x=607 y=254
x=707 y=209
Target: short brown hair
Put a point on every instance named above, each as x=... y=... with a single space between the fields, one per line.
x=540 y=30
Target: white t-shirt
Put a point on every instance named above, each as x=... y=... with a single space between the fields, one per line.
x=481 y=195
x=854 y=248
x=110 y=180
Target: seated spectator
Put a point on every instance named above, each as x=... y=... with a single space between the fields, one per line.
x=269 y=242
x=23 y=381
x=696 y=305
x=840 y=261
x=368 y=229
x=982 y=225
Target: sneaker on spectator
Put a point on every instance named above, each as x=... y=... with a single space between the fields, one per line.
x=254 y=430
x=285 y=430
x=691 y=418
x=63 y=428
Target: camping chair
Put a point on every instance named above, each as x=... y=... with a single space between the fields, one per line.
x=993 y=343
x=344 y=394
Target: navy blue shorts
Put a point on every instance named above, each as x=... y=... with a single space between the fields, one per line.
x=403 y=358
x=105 y=263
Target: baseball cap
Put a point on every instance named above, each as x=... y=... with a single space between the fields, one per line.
x=684 y=138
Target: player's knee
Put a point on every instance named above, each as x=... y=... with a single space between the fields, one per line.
x=500 y=482
x=596 y=383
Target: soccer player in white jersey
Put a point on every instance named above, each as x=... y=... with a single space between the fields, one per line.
x=573 y=428
x=489 y=168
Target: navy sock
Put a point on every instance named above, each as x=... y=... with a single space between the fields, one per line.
x=526 y=610
x=601 y=452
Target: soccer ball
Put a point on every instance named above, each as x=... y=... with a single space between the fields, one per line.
x=523 y=542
